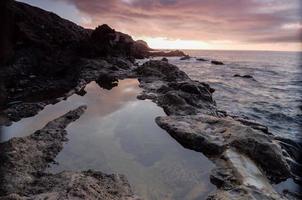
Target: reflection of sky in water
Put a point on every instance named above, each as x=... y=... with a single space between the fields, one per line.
x=118 y=134
x=96 y=97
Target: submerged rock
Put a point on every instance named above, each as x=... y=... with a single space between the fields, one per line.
x=244 y=76
x=215 y=62
x=201 y=59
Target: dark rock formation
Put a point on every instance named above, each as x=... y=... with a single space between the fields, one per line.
x=185 y=57
x=215 y=62
x=44 y=53
x=105 y=41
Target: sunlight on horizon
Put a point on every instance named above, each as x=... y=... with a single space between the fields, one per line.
x=165 y=43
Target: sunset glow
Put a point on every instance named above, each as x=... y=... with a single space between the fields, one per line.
x=192 y=24
x=165 y=43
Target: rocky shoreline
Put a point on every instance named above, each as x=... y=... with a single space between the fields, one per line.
x=44 y=69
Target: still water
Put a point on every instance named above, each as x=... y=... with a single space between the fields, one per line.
x=118 y=134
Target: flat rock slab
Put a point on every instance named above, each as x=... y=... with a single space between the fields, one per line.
x=213 y=135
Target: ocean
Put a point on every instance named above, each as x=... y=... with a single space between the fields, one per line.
x=272 y=97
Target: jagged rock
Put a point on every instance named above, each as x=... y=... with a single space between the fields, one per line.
x=215 y=62
x=173 y=90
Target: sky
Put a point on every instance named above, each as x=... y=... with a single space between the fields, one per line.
x=192 y=24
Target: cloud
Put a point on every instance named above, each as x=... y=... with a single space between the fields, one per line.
x=203 y=20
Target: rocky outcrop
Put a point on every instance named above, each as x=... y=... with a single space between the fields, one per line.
x=173 y=90
x=105 y=41
x=24 y=160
